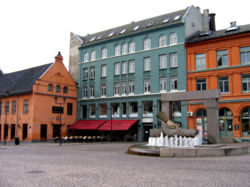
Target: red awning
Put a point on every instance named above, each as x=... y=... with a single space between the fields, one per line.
x=86 y=124
x=117 y=125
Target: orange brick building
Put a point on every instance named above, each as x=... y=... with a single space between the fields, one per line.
x=221 y=60
x=36 y=102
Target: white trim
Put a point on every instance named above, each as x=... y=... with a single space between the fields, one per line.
x=46 y=70
x=186 y=13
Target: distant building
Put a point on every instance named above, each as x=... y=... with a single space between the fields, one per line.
x=124 y=70
x=29 y=102
x=221 y=60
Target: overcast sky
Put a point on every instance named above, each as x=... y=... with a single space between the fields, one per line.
x=33 y=31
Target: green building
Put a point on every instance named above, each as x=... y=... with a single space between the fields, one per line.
x=123 y=71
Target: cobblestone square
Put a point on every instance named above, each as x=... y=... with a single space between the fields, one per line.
x=108 y=164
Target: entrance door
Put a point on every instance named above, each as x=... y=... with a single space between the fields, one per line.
x=6 y=132
x=25 y=131
x=43 y=132
x=147 y=128
x=226 y=122
x=13 y=129
x=56 y=131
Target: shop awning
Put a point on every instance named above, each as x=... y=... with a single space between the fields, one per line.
x=117 y=125
x=86 y=124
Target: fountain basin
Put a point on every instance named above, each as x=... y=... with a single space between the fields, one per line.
x=197 y=151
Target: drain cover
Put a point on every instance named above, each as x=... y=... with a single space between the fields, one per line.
x=35 y=172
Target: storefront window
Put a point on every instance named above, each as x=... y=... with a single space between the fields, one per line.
x=133 y=109
x=148 y=109
x=245 y=121
x=92 y=110
x=115 y=110
x=103 y=111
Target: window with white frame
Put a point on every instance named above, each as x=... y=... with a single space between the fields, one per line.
x=131 y=47
x=92 y=110
x=173 y=60
x=85 y=73
x=131 y=66
x=162 y=41
x=147 y=44
x=124 y=48
x=103 y=90
x=85 y=92
x=117 y=50
x=117 y=89
x=26 y=106
x=201 y=84
x=222 y=58
x=131 y=86
x=7 y=107
x=104 y=70
x=173 y=39
x=92 y=91
x=117 y=68
x=245 y=55
x=104 y=52
x=115 y=110
x=147 y=64
x=163 y=61
x=124 y=86
x=200 y=61
x=103 y=110
x=124 y=67
x=147 y=86
x=148 y=109
x=223 y=84
x=174 y=82
x=246 y=83
x=92 y=72
x=163 y=84
x=93 y=56
x=86 y=57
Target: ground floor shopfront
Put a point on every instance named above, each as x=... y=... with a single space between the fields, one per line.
x=234 y=118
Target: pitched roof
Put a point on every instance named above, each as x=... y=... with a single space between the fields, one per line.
x=198 y=37
x=133 y=27
x=21 y=82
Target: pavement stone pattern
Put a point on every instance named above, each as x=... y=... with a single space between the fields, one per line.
x=108 y=164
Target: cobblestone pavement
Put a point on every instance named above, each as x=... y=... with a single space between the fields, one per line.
x=108 y=164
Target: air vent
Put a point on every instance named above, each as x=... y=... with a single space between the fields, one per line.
x=233 y=27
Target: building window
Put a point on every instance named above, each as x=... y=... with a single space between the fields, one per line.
x=147 y=86
x=103 y=110
x=173 y=60
x=0 y=108
x=65 y=89
x=162 y=41
x=93 y=56
x=25 y=106
x=246 y=83
x=85 y=91
x=245 y=121
x=201 y=84
x=124 y=110
x=133 y=109
x=7 y=107
x=245 y=55
x=92 y=72
x=117 y=68
x=223 y=84
x=174 y=82
x=69 y=108
x=86 y=57
x=124 y=48
x=104 y=53
x=117 y=89
x=117 y=50
x=163 y=84
x=85 y=73
x=147 y=44
x=131 y=87
x=222 y=58
x=58 y=88
x=103 y=90
x=131 y=66
x=131 y=47
x=148 y=109
x=200 y=61
x=50 y=88
x=173 y=39
x=147 y=65
x=124 y=88
x=163 y=61
x=92 y=110
x=104 y=70
x=92 y=91
x=124 y=67
x=115 y=110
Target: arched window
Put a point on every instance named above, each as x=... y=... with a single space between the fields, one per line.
x=131 y=47
x=93 y=56
x=104 y=52
x=173 y=38
x=58 y=88
x=162 y=41
x=50 y=88
x=65 y=89
x=86 y=57
x=117 y=50
x=124 y=48
x=147 y=44
x=245 y=121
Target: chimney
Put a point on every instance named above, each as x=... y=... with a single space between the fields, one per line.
x=59 y=57
x=212 y=22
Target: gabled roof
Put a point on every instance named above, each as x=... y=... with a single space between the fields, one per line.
x=133 y=27
x=198 y=37
x=21 y=82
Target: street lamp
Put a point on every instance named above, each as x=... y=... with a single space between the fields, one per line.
x=60 y=118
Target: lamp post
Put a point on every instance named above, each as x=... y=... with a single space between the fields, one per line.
x=60 y=118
